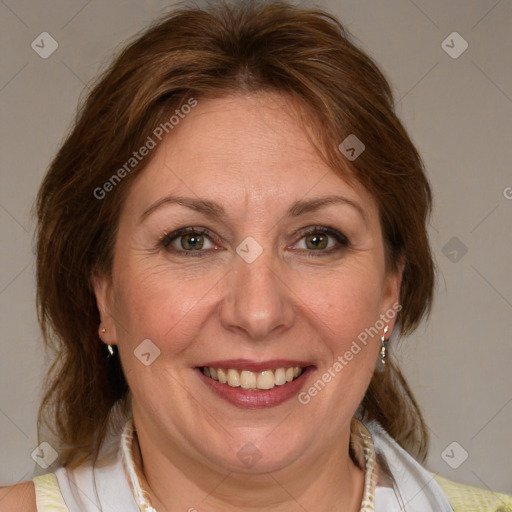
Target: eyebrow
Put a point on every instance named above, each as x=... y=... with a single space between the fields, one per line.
x=217 y=211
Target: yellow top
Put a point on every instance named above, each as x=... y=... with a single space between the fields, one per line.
x=463 y=498
x=48 y=495
x=466 y=498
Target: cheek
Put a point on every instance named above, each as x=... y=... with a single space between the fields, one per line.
x=165 y=307
x=345 y=302
x=345 y=311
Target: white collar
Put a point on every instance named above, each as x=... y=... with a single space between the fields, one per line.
x=417 y=487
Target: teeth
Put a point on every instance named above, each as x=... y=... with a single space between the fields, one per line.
x=265 y=380
x=279 y=377
x=221 y=374
x=233 y=378
x=246 y=379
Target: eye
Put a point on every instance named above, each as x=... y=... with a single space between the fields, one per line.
x=196 y=241
x=188 y=240
x=317 y=240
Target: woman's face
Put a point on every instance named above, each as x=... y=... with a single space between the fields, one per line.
x=271 y=277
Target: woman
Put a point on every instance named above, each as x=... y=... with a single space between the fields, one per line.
x=227 y=240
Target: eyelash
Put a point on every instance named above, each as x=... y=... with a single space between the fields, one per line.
x=168 y=238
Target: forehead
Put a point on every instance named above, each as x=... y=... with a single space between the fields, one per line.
x=242 y=148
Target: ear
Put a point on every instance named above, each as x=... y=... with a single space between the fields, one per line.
x=102 y=286
x=391 y=294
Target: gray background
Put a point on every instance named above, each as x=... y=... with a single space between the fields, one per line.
x=458 y=112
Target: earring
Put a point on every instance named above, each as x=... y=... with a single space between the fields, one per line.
x=383 y=347
x=110 y=348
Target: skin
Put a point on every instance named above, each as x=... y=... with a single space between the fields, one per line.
x=251 y=155
x=20 y=497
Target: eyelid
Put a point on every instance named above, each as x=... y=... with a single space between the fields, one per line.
x=324 y=229
x=169 y=237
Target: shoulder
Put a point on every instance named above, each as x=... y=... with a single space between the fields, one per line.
x=466 y=497
x=20 y=497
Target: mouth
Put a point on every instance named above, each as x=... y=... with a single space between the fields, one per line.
x=252 y=385
x=251 y=380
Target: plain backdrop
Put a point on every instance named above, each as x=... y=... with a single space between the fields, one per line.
x=458 y=110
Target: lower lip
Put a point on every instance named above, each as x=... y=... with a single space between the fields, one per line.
x=257 y=399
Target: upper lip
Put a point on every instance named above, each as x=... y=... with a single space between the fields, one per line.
x=255 y=366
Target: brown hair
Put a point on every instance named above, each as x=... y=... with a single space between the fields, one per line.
x=200 y=52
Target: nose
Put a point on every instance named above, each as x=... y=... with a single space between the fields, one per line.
x=259 y=300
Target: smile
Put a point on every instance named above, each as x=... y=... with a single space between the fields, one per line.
x=253 y=381
x=250 y=384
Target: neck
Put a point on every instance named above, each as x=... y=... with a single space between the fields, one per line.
x=177 y=482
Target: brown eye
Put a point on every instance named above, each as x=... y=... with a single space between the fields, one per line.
x=192 y=241
x=318 y=240
x=188 y=240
